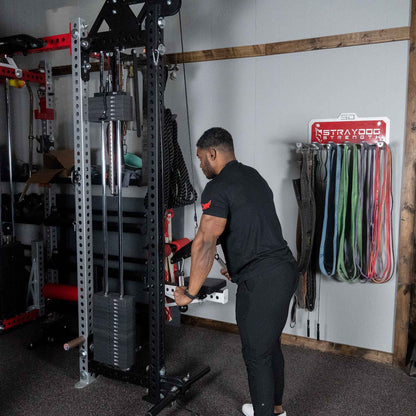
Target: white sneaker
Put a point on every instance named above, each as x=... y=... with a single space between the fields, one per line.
x=248 y=410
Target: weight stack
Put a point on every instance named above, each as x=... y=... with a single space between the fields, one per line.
x=114 y=105
x=114 y=326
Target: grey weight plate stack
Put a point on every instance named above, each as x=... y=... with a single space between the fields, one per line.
x=114 y=322
x=115 y=106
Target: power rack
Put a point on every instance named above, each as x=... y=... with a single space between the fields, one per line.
x=126 y=31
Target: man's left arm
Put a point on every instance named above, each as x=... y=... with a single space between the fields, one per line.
x=202 y=256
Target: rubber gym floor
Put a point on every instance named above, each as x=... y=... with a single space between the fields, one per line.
x=40 y=382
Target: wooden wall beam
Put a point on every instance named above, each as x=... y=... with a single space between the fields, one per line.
x=276 y=48
x=302 y=45
x=297 y=341
x=405 y=272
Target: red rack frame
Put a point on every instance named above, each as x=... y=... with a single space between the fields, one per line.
x=29 y=76
x=20 y=319
x=53 y=43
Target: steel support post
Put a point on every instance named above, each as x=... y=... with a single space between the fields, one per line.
x=38 y=261
x=50 y=233
x=47 y=125
x=83 y=198
x=155 y=226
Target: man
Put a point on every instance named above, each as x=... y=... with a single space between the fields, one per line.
x=238 y=208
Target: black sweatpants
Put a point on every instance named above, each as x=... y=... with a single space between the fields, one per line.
x=262 y=309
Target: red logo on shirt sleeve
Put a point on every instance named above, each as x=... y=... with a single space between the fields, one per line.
x=206 y=206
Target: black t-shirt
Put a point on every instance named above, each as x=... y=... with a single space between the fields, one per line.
x=252 y=240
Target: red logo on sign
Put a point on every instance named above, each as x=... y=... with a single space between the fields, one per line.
x=206 y=206
x=344 y=130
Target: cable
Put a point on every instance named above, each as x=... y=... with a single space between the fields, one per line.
x=187 y=115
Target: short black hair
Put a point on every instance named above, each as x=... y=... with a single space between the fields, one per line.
x=216 y=137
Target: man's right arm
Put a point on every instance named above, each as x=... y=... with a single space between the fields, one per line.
x=202 y=257
x=203 y=250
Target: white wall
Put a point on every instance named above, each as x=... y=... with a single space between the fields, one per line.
x=267 y=103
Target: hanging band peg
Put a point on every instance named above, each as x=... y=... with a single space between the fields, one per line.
x=162 y=49
x=299 y=147
x=156 y=56
x=161 y=22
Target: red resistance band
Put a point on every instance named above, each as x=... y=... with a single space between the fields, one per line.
x=382 y=222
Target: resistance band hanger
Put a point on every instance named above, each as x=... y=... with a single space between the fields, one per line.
x=349 y=188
